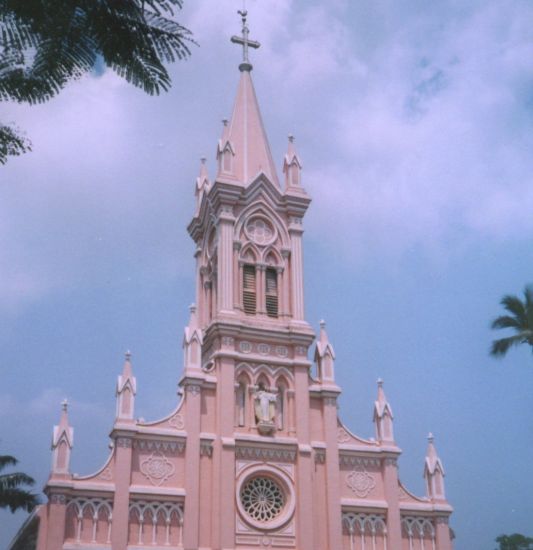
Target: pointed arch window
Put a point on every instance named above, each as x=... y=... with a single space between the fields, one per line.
x=271 y=296
x=249 y=289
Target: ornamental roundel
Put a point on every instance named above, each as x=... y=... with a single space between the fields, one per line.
x=262 y=499
x=157 y=468
x=260 y=231
x=265 y=497
x=360 y=482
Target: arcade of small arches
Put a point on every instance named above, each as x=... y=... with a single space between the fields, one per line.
x=89 y=521
x=364 y=531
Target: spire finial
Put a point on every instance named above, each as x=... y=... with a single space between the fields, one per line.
x=245 y=42
x=127 y=355
x=64 y=404
x=431 y=437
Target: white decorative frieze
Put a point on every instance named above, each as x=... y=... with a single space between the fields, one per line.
x=157 y=468
x=360 y=482
x=160 y=446
x=124 y=442
x=58 y=498
x=193 y=389
x=263 y=349
x=206 y=448
x=227 y=341
x=358 y=461
x=245 y=347
x=320 y=457
x=266 y=454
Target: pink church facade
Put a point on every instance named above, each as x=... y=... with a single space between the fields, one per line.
x=255 y=455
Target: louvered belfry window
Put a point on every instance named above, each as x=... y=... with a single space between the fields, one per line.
x=249 y=294
x=271 y=292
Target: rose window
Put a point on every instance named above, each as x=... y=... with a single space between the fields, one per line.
x=260 y=231
x=262 y=499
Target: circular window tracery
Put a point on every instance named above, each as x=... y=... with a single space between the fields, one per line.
x=262 y=499
x=260 y=231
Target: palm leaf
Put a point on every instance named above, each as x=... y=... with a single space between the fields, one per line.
x=10 y=481
x=514 y=305
x=500 y=347
x=7 y=460
x=506 y=321
x=18 y=499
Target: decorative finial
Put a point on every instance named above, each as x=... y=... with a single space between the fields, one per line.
x=291 y=138
x=64 y=404
x=225 y=121
x=192 y=308
x=431 y=438
x=127 y=355
x=245 y=42
x=380 y=382
x=322 y=323
x=203 y=159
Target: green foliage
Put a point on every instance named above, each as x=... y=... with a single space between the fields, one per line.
x=44 y=44
x=12 y=495
x=514 y=542
x=519 y=319
x=12 y=143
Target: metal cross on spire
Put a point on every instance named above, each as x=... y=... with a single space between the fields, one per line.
x=245 y=42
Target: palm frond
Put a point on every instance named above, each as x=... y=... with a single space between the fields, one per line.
x=12 y=143
x=514 y=305
x=528 y=300
x=500 y=347
x=7 y=460
x=10 y=481
x=18 y=499
x=506 y=321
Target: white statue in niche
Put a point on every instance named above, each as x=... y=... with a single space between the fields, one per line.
x=265 y=409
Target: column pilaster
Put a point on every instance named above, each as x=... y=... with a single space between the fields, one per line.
x=192 y=465
x=121 y=500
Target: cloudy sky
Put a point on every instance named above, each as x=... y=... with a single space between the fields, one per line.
x=414 y=123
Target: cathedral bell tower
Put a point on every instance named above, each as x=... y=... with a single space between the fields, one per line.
x=250 y=312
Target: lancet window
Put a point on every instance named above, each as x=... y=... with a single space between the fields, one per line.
x=271 y=294
x=249 y=289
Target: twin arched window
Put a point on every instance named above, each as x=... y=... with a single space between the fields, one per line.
x=250 y=290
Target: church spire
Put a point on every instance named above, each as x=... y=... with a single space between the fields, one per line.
x=383 y=417
x=243 y=151
x=126 y=390
x=62 y=441
x=325 y=356
x=292 y=166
